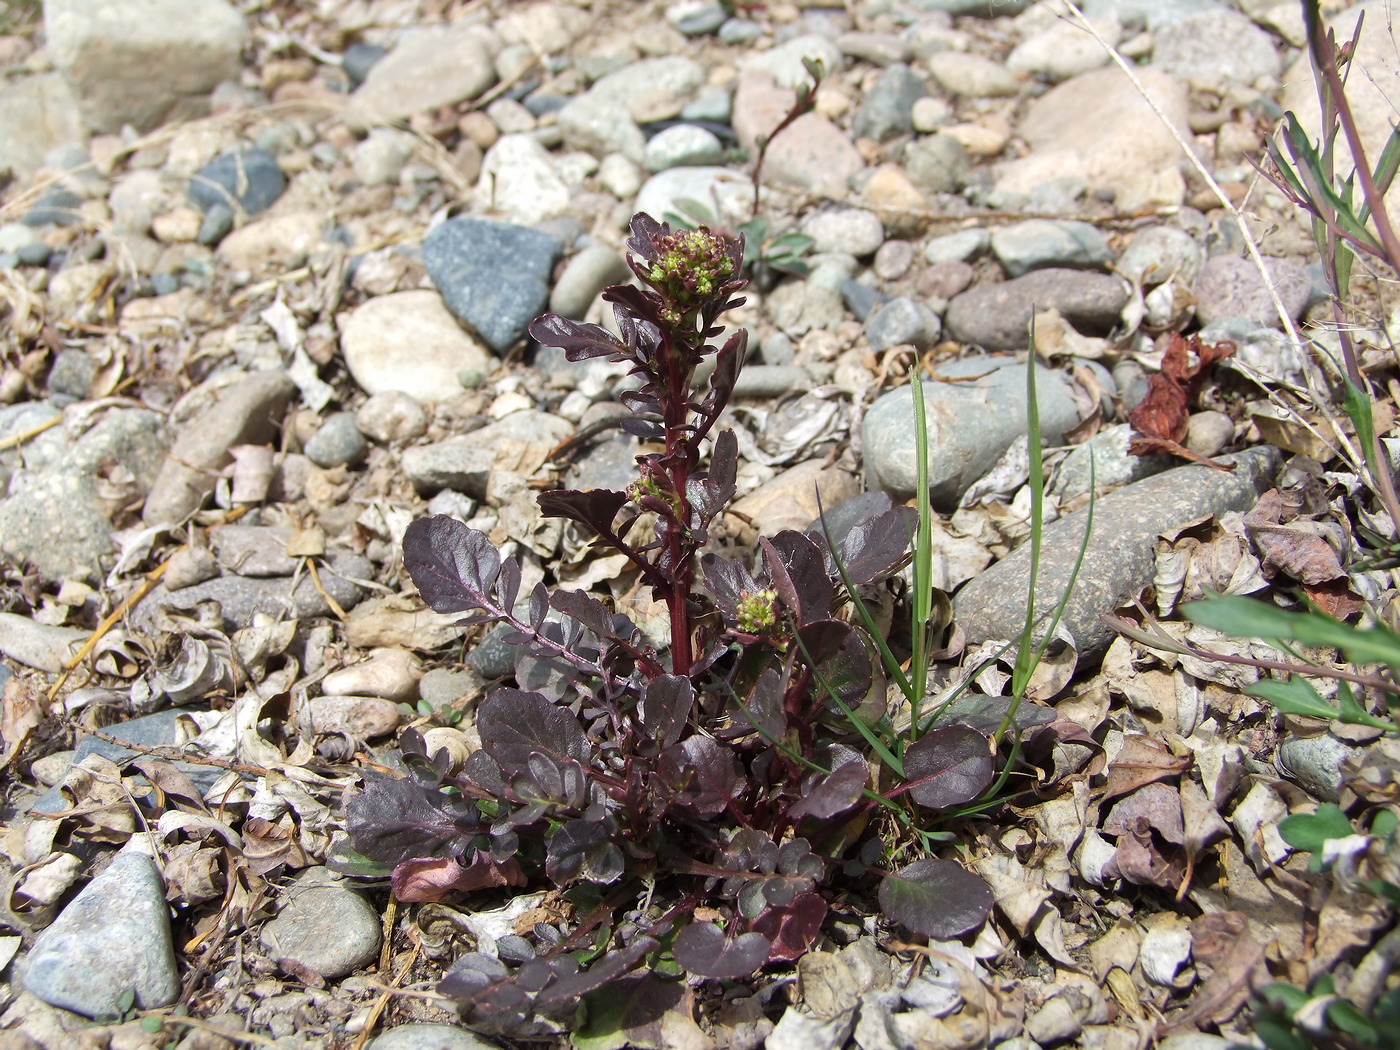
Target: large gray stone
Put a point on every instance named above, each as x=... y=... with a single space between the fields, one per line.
x=424 y=1035
x=1118 y=560
x=326 y=928
x=428 y=69
x=970 y=425
x=37 y=114
x=998 y=316
x=59 y=518
x=143 y=62
x=112 y=937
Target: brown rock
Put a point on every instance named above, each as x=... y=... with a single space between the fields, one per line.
x=789 y=501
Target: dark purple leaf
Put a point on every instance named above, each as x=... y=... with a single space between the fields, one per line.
x=595 y=508
x=724 y=460
x=706 y=951
x=641 y=402
x=728 y=361
x=727 y=581
x=948 y=766
x=485 y=773
x=645 y=230
x=645 y=429
x=666 y=707
x=835 y=793
x=452 y=566
x=704 y=774
x=607 y=969
x=846 y=515
x=936 y=898
x=806 y=568
x=778 y=575
x=581 y=849
x=397 y=820
x=587 y=610
x=473 y=974
x=579 y=341
x=793 y=929
x=514 y=725
x=877 y=546
x=709 y=493
x=839 y=656
x=764 y=708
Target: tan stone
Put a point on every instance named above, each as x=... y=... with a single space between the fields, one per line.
x=282 y=240
x=789 y=501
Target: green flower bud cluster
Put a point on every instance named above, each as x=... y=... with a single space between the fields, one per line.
x=689 y=267
x=758 y=612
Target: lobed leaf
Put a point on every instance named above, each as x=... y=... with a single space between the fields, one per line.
x=397 y=820
x=707 y=951
x=579 y=341
x=877 y=546
x=515 y=725
x=936 y=898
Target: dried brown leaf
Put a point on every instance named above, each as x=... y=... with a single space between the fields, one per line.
x=21 y=712
x=1141 y=760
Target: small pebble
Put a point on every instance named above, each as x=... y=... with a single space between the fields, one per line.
x=338 y=442
x=1209 y=432
x=361 y=717
x=390 y=417
x=329 y=930
x=893 y=259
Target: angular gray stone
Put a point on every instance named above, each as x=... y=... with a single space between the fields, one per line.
x=493 y=276
x=997 y=316
x=1316 y=762
x=936 y=163
x=887 y=108
x=250 y=179
x=975 y=8
x=248 y=411
x=1232 y=287
x=58 y=517
x=1040 y=243
x=324 y=927
x=464 y=462
x=113 y=937
x=424 y=1035
x=144 y=62
x=970 y=424
x=1118 y=560
x=36 y=114
x=427 y=69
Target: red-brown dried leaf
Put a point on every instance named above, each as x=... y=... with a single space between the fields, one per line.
x=1141 y=760
x=1160 y=417
x=432 y=879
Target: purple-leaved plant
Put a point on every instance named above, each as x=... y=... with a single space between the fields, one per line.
x=724 y=770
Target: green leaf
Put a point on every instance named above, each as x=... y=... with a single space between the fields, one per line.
x=1286 y=997
x=1352 y=713
x=1247 y=618
x=1348 y=1019
x=1296 y=696
x=1358 y=408
x=152 y=1024
x=1311 y=831
x=792 y=244
x=1384 y=823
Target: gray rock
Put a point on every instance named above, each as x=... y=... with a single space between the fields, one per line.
x=970 y=425
x=886 y=111
x=1131 y=380
x=997 y=316
x=443 y=685
x=772 y=380
x=144 y=62
x=1208 y=432
x=1216 y=47
x=1159 y=253
x=697 y=17
x=715 y=105
x=958 y=247
x=1148 y=14
x=36 y=114
x=188 y=566
x=1118 y=561
x=380 y=158
x=113 y=937
x=969 y=75
x=493 y=276
x=359 y=59
x=464 y=462
x=493 y=657
x=851 y=231
x=408 y=342
x=240 y=597
x=338 y=442
x=426 y=70
x=610 y=462
x=324 y=927
x=218 y=221
x=248 y=411
x=41 y=646
x=58 y=207
x=893 y=259
x=59 y=517
x=861 y=299
x=880 y=49
x=1114 y=465
x=586 y=275
x=936 y=164
x=975 y=8
x=70 y=376
x=15 y=236
x=1232 y=287
x=785 y=63
x=423 y=1035
x=740 y=31
x=602 y=124
x=390 y=417
x=654 y=88
x=253 y=550
x=1040 y=243
x=902 y=320
x=683 y=146
x=249 y=179
x=1316 y=762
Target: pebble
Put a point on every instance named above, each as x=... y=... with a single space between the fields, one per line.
x=584 y=277
x=1160 y=253
x=521 y=180
x=427 y=69
x=1118 y=561
x=1217 y=47
x=664 y=192
x=619 y=176
x=390 y=673
x=1114 y=465
x=997 y=316
x=1207 y=433
x=37 y=645
x=715 y=105
x=972 y=76
x=253 y=550
x=329 y=930
x=937 y=163
x=189 y=566
x=653 y=88
x=493 y=657
x=1232 y=287
x=281 y=242
x=70 y=376
x=771 y=380
x=380 y=158
x=464 y=462
x=785 y=63
x=493 y=276
x=902 y=320
x=789 y=500
x=943 y=280
x=852 y=231
x=861 y=299
x=893 y=259
x=250 y=178
x=360 y=717
x=408 y=343
x=248 y=411
x=338 y=442
x=58 y=207
x=1317 y=763
x=697 y=17
x=812 y=153
x=880 y=49
x=391 y=416
x=1064 y=50
x=601 y=124
x=359 y=59
x=684 y=145
x=112 y=937
x=970 y=425
x=218 y=221
x=1039 y=243
x=886 y=112
x=958 y=247
x=444 y=685
x=423 y=1035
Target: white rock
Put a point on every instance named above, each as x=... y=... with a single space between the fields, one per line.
x=38 y=645
x=409 y=342
x=519 y=183
x=389 y=673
